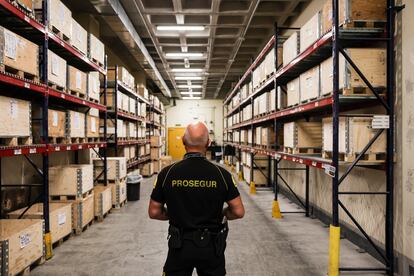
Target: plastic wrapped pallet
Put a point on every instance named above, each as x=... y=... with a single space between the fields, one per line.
x=96 y=50
x=291 y=48
x=310 y=84
x=310 y=32
x=18 y=54
x=70 y=180
x=293 y=92
x=75 y=125
x=93 y=86
x=16 y=119
x=77 y=81
x=79 y=37
x=56 y=70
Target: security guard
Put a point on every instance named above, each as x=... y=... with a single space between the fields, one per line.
x=194 y=190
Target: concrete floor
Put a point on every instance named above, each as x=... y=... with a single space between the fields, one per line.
x=129 y=243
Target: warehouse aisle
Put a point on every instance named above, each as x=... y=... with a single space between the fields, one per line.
x=128 y=243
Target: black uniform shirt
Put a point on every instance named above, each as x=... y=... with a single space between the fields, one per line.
x=194 y=190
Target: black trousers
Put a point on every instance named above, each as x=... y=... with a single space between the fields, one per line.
x=182 y=261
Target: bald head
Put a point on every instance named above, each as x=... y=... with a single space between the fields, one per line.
x=196 y=137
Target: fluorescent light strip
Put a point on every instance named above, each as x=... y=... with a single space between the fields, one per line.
x=190 y=86
x=180 y=28
x=184 y=54
x=191 y=98
x=191 y=93
x=188 y=78
x=187 y=70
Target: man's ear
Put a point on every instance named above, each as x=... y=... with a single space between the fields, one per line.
x=208 y=142
x=182 y=139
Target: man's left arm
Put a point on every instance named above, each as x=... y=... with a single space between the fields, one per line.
x=156 y=208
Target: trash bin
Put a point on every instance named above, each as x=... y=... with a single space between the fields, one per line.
x=218 y=156
x=133 y=187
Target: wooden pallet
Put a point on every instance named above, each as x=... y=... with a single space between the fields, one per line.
x=97 y=62
x=15 y=141
x=119 y=206
x=93 y=100
x=60 y=34
x=21 y=6
x=76 y=93
x=57 y=140
x=93 y=139
x=71 y=197
x=75 y=140
x=18 y=73
x=84 y=228
x=370 y=157
x=362 y=91
x=101 y=218
x=62 y=240
x=365 y=24
x=302 y=150
x=57 y=87
x=308 y=100
x=328 y=155
x=26 y=271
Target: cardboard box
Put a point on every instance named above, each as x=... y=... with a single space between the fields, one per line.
x=291 y=48
x=75 y=125
x=96 y=50
x=93 y=86
x=310 y=84
x=15 y=118
x=293 y=92
x=310 y=32
x=77 y=81
x=79 y=37
x=56 y=70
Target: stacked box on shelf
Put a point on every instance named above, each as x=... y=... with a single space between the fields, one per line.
x=102 y=200
x=56 y=71
x=268 y=137
x=111 y=128
x=166 y=161
x=269 y=63
x=93 y=86
x=18 y=55
x=371 y=61
x=56 y=125
x=354 y=134
x=281 y=98
x=92 y=125
x=132 y=105
x=142 y=91
x=74 y=184
x=258 y=177
x=310 y=32
x=156 y=164
x=293 y=92
x=59 y=18
x=123 y=76
x=111 y=93
x=132 y=130
x=258 y=136
x=79 y=37
x=355 y=13
x=76 y=82
x=15 y=128
x=309 y=84
x=155 y=153
x=60 y=218
x=125 y=103
x=21 y=244
x=96 y=50
x=147 y=169
x=302 y=137
x=291 y=48
x=27 y=5
x=75 y=126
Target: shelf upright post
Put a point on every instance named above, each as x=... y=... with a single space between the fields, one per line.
x=334 y=228
x=389 y=224
x=115 y=99
x=252 y=184
x=45 y=131
x=105 y=150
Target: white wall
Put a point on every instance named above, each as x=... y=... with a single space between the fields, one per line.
x=188 y=111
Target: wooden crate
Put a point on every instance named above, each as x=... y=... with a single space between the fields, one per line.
x=132 y=152
x=96 y=50
x=309 y=84
x=77 y=82
x=70 y=181
x=157 y=166
x=302 y=137
x=281 y=98
x=147 y=169
x=155 y=153
x=371 y=62
x=93 y=87
x=111 y=128
x=119 y=193
x=132 y=105
x=123 y=75
x=142 y=91
x=356 y=14
x=117 y=168
x=110 y=98
x=79 y=37
x=21 y=245
x=56 y=126
x=56 y=71
x=293 y=92
x=75 y=126
x=18 y=55
x=59 y=18
x=258 y=177
x=132 y=130
x=166 y=161
x=60 y=218
x=102 y=201
x=156 y=141
x=291 y=48
x=27 y=5
x=83 y=212
x=92 y=126
x=258 y=135
x=15 y=128
x=310 y=32
x=125 y=103
x=354 y=135
x=268 y=137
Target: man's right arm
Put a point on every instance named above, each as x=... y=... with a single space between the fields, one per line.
x=235 y=209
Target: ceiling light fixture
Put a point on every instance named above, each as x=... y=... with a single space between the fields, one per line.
x=184 y=54
x=191 y=93
x=190 y=86
x=191 y=98
x=187 y=70
x=188 y=78
x=180 y=28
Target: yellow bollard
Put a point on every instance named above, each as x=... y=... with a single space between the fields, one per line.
x=252 y=188
x=334 y=243
x=232 y=168
x=48 y=246
x=240 y=176
x=276 y=210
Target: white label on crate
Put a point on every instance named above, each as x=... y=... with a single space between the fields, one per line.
x=61 y=12
x=76 y=120
x=24 y=240
x=78 y=80
x=329 y=170
x=54 y=119
x=10 y=47
x=14 y=109
x=93 y=126
x=61 y=218
x=381 y=122
x=55 y=65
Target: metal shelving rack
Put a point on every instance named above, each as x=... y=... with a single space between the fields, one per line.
x=18 y=21
x=333 y=44
x=115 y=113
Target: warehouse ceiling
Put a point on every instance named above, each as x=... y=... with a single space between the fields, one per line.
x=229 y=35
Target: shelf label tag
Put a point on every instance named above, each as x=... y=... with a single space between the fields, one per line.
x=17 y=151
x=27 y=19
x=79 y=147
x=24 y=240
x=68 y=148
x=32 y=150
x=329 y=170
x=380 y=122
x=27 y=85
x=57 y=148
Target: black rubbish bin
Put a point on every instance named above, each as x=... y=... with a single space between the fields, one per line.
x=133 y=187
